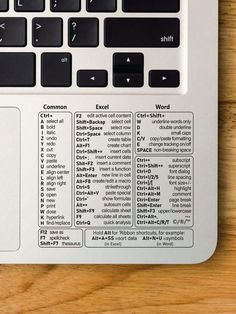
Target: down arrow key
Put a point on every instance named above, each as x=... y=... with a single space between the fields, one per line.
x=128 y=80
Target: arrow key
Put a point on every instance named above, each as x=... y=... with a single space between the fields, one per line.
x=127 y=80
x=92 y=78
x=164 y=78
x=128 y=62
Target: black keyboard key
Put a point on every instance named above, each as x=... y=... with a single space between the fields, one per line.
x=47 y=32
x=151 y=5
x=83 y=32
x=127 y=80
x=4 y=5
x=92 y=78
x=164 y=78
x=56 y=69
x=128 y=62
x=29 y=5
x=128 y=69
x=13 y=32
x=17 y=69
x=142 y=32
x=101 y=5
x=65 y=5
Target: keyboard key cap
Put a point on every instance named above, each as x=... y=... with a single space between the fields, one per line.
x=128 y=69
x=164 y=78
x=151 y=5
x=65 y=5
x=17 y=69
x=92 y=78
x=101 y=5
x=127 y=80
x=83 y=32
x=56 y=69
x=13 y=32
x=128 y=62
x=47 y=32
x=142 y=32
x=29 y=5
x=4 y=5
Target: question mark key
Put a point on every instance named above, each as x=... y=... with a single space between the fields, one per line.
x=83 y=32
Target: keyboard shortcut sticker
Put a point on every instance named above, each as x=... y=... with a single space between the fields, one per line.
x=134 y=238
x=167 y=133
x=126 y=188
x=70 y=238
x=55 y=169
x=103 y=169
x=164 y=191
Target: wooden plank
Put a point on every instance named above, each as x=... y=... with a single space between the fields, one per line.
x=227 y=58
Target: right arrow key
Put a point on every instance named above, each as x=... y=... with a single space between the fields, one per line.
x=164 y=78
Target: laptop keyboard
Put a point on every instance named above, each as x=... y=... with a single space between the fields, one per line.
x=108 y=45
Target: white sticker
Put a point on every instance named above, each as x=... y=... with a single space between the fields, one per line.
x=139 y=238
x=103 y=169
x=164 y=191
x=116 y=187
x=60 y=238
x=166 y=133
x=55 y=169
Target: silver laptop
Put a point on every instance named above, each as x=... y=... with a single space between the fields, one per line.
x=108 y=128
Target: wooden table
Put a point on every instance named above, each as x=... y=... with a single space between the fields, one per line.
x=206 y=288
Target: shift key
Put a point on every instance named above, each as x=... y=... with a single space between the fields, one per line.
x=142 y=32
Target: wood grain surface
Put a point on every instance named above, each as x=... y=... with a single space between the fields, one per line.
x=205 y=288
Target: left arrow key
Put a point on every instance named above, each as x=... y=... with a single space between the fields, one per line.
x=92 y=78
